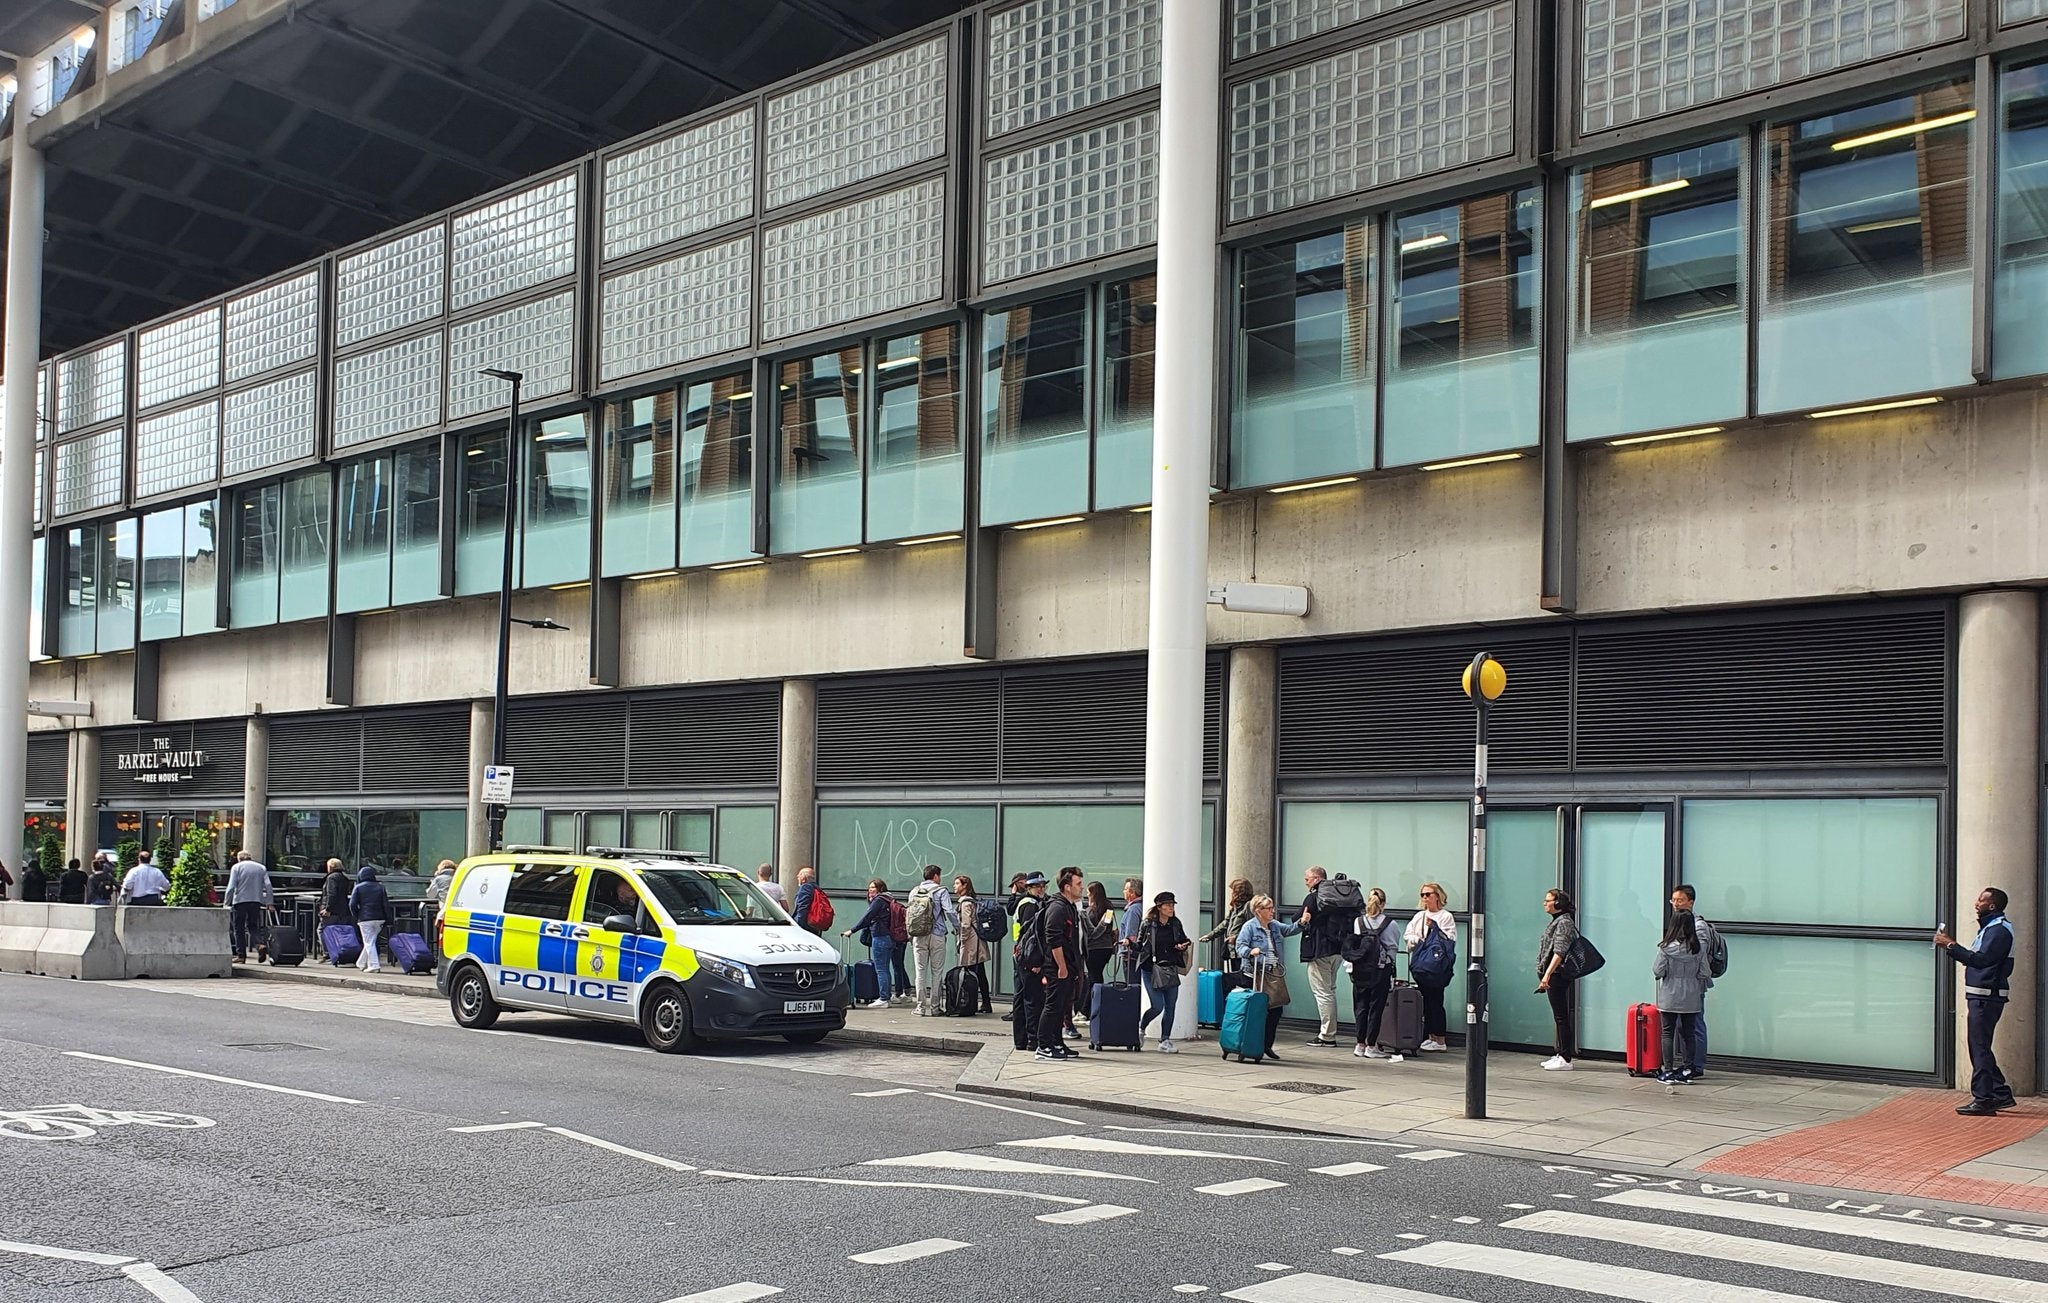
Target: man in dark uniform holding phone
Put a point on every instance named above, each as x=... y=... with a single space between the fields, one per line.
x=1987 y=976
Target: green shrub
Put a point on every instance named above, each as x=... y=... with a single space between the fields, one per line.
x=126 y=852
x=50 y=857
x=192 y=879
x=164 y=855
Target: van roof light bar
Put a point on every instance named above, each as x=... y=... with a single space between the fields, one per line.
x=646 y=853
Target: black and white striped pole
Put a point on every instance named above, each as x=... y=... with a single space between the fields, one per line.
x=1484 y=681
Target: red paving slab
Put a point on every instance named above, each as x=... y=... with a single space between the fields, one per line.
x=1905 y=1146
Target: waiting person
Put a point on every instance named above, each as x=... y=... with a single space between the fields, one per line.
x=1434 y=913
x=99 y=886
x=1559 y=935
x=1987 y=979
x=973 y=950
x=35 y=884
x=1237 y=911
x=370 y=906
x=1164 y=953
x=250 y=902
x=876 y=935
x=6 y=881
x=1684 y=898
x=1062 y=966
x=1323 y=932
x=1375 y=941
x=334 y=894
x=764 y=878
x=71 y=886
x=145 y=884
x=1099 y=930
x=1133 y=920
x=806 y=890
x=930 y=950
x=1259 y=955
x=1681 y=973
x=443 y=879
x=1029 y=1001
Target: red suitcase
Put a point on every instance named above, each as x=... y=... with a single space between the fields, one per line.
x=1644 y=1038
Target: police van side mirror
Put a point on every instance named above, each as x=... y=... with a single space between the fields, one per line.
x=621 y=923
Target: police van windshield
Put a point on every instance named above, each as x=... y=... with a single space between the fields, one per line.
x=699 y=898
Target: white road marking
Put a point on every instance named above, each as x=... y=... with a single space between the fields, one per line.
x=1307 y=1287
x=896 y=1185
x=1259 y=1136
x=1466 y=1221
x=64 y=1255
x=655 y=1159
x=152 y=1278
x=1430 y=1155
x=1890 y=1232
x=951 y=1161
x=1248 y=1185
x=209 y=1076
x=883 y=1094
x=1276 y=1266
x=1350 y=1169
x=744 y=1292
x=1095 y=1212
x=982 y=1103
x=1191 y=1289
x=1348 y=1252
x=1105 y=1145
x=496 y=1126
x=1523 y=1206
x=1410 y=1235
x=1790 y=1257
x=910 y=1252
x=1586 y=1277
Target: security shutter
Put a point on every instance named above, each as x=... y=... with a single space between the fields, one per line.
x=568 y=743
x=1083 y=722
x=909 y=730
x=1213 y=688
x=48 y=765
x=219 y=780
x=424 y=750
x=316 y=755
x=704 y=739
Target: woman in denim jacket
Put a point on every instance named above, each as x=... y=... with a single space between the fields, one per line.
x=1259 y=954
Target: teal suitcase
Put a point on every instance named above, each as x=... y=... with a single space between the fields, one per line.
x=1243 y=1031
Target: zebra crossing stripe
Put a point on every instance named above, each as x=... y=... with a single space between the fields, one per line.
x=1099 y=1212
x=1583 y=1277
x=1789 y=1257
x=1308 y=1287
x=1894 y=1231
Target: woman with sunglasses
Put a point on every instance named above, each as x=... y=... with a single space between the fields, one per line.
x=1433 y=912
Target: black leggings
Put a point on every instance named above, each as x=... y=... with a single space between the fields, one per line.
x=1273 y=1013
x=1561 y=1015
x=1434 y=1025
x=1368 y=1003
x=981 y=971
x=1677 y=1040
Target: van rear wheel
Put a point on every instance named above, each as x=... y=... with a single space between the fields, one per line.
x=469 y=998
x=665 y=1020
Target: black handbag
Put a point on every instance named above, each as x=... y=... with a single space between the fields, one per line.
x=1583 y=959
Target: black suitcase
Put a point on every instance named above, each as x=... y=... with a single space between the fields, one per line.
x=867 y=988
x=1401 y=1025
x=285 y=949
x=1113 y=1016
x=962 y=992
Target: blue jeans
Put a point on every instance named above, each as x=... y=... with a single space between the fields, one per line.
x=1162 y=996
x=886 y=956
x=1699 y=1038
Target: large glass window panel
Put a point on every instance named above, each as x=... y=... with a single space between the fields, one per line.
x=202 y=568
x=746 y=835
x=302 y=581
x=1034 y=410
x=555 y=535
x=120 y=556
x=1106 y=842
x=1521 y=866
x=1461 y=377
x=815 y=501
x=1866 y=286
x=163 y=574
x=916 y=475
x=1852 y=862
x=1808 y=999
x=895 y=842
x=1123 y=444
x=640 y=484
x=718 y=471
x=1304 y=383
x=258 y=547
x=444 y=835
x=2019 y=341
x=1621 y=909
x=416 y=525
x=691 y=830
x=362 y=558
x=78 y=568
x=1658 y=337
x=480 y=514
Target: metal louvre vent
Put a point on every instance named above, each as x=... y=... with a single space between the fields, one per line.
x=925 y=730
x=424 y=750
x=316 y=755
x=1361 y=710
x=706 y=739
x=48 y=766
x=1213 y=688
x=1076 y=723
x=1845 y=690
x=569 y=743
x=219 y=778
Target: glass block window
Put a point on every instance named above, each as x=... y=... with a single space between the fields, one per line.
x=177 y=358
x=1071 y=200
x=671 y=312
x=873 y=256
x=177 y=449
x=679 y=185
x=388 y=391
x=1051 y=57
x=1435 y=98
x=268 y=425
x=864 y=122
x=1257 y=25
x=41 y=457
x=92 y=387
x=42 y=388
x=394 y=285
x=2013 y=12
x=517 y=242
x=535 y=339
x=1641 y=61
x=88 y=472
x=273 y=327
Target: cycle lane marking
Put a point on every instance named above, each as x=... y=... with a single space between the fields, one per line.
x=211 y=1076
x=80 y=1121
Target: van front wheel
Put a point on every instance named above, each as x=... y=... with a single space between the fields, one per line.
x=665 y=1021
x=469 y=998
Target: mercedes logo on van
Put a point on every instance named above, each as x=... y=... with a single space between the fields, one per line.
x=803 y=979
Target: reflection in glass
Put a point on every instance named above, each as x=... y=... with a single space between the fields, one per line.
x=1034 y=410
x=362 y=558
x=1123 y=447
x=1658 y=338
x=718 y=471
x=78 y=568
x=2019 y=322
x=915 y=477
x=202 y=569
x=252 y=577
x=1867 y=279
x=1304 y=359
x=119 y=562
x=416 y=525
x=815 y=499
x=555 y=533
x=163 y=578
x=302 y=586
x=480 y=513
x=1461 y=378
x=640 y=484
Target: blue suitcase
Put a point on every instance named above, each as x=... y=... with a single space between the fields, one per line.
x=861 y=977
x=1243 y=1030
x=1209 y=992
x=1113 y=1016
x=409 y=952
x=342 y=943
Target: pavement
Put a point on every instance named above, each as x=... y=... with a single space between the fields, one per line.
x=1805 y=1130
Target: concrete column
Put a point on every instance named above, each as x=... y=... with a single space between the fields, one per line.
x=482 y=721
x=796 y=835
x=1183 y=432
x=24 y=314
x=1998 y=763
x=82 y=797
x=256 y=787
x=1248 y=767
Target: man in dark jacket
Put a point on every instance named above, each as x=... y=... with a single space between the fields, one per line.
x=1987 y=977
x=71 y=887
x=99 y=888
x=334 y=893
x=1025 y=903
x=35 y=884
x=1061 y=947
x=1324 y=929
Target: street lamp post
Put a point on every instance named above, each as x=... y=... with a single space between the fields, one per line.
x=1484 y=681
x=499 y=692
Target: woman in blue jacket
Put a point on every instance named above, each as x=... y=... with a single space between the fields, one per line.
x=1259 y=956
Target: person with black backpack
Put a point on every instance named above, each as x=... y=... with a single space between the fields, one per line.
x=1025 y=904
x=1333 y=905
x=1716 y=951
x=1369 y=951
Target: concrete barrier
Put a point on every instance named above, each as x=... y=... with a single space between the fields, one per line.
x=22 y=926
x=79 y=942
x=160 y=941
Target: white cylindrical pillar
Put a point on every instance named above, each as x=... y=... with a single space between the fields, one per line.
x=796 y=798
x=1183 y=423
x=1248 y=767
x=17 y=454
x=256 y=787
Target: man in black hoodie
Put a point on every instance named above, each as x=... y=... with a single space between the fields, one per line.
x=71 y=887
x=35 y=885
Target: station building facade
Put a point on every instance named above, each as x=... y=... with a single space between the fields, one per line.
x=1688 y=359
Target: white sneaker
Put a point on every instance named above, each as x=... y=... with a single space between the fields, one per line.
x=1166 y=1047
x=1550 y=1064
x=876 y=1004
x=1435 y=1047
x=1558 y=1065
x=1375 y=1052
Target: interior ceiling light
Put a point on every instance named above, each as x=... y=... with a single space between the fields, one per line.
x=1426 y=242
x=1139 y=511
x=1904 y=129
x=1314 y=484
x=1487 y=460
x=895 y=362
x=1630 y=196
x=929 y=538
x=1861 y=409
x=1660 y=438
x=737 y=565
x=1048 y=524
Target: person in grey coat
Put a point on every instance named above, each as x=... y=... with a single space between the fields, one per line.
x=250 y=902
x=1681 y=973
x=1554 y=981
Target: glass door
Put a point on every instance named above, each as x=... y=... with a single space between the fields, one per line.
x=1523 y=853
x=1621 y=890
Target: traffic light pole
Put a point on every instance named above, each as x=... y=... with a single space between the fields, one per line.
x=1480 y=685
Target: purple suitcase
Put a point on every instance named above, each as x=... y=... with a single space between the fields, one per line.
x=342 y=943
x=409 y=952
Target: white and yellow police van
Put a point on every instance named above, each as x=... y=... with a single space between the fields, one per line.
x=686 y=949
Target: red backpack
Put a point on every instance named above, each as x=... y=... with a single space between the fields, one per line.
x=818 y=914
x=899 y=925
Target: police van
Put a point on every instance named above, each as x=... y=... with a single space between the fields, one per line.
x=685 y=949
